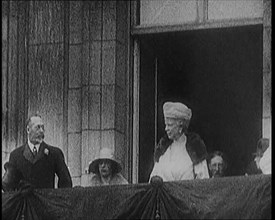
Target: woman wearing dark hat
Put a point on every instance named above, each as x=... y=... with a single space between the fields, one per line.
x=106 y=169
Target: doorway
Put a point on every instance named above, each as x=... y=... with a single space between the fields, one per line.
x=215 y=72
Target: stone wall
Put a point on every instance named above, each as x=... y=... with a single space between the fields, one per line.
x=67 y=61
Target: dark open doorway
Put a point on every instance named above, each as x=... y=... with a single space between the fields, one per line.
x=215 y=72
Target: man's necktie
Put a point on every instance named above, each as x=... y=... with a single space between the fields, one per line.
x=34 y=151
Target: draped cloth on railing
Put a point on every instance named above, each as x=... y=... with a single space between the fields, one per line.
x=243 y=197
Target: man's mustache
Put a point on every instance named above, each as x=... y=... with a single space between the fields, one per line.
x=41 y=136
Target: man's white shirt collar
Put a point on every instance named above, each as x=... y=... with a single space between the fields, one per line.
x=31 y=146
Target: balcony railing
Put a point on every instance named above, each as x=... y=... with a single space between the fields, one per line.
x=241 y=197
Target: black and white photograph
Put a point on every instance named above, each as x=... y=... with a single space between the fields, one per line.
x=136 y=109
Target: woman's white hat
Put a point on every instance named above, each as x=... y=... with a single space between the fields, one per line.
x=105 y=154
x=176 y=110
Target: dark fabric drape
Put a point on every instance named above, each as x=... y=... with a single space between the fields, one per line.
x=243 y=197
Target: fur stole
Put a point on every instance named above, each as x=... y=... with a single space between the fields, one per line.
x=194 y=146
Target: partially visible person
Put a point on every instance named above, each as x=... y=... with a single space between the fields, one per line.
x=217 y=164
x=11 y=178
x=37 y=161
x=179 y=155
x=106 y=169
x=254 y=165
x=266 y=162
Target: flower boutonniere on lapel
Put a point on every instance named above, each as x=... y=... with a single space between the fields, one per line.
x=46 y=151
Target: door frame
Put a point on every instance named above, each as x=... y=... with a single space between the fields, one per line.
x=138 y=31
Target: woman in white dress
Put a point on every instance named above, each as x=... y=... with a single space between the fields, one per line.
x=180 y=155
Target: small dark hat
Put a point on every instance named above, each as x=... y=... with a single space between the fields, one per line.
x=262 y=145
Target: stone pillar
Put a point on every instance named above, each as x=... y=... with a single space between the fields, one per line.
x=4 y=77
x=75 y=90
x=267 y=27
x=104 y=62
x=14 y=76
x=46 y=72
x=114 y=88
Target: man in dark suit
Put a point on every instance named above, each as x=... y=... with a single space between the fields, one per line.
x=37 y=161
x=217 y=164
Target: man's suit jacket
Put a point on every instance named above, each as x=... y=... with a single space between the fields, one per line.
x=40 y=171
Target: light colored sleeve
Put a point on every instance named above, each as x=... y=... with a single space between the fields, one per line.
x=265 y=161
x=154 y=171
x=201 y=170
x=120 y=179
